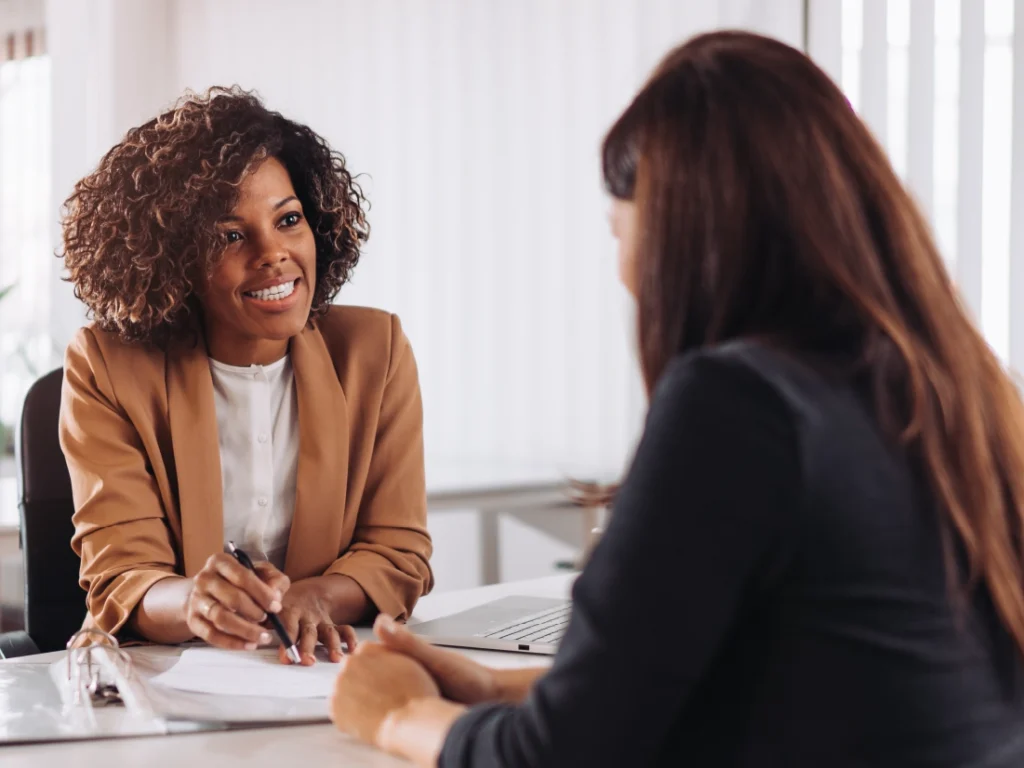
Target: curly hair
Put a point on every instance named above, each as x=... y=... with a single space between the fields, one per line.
x=139 y=232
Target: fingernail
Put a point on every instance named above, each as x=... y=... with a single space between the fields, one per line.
x=250 y=646
x=265 y=638
x=387 y=624
x=275 y=607
x=278 y=597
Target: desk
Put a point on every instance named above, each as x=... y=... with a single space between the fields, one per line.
x=311 y=746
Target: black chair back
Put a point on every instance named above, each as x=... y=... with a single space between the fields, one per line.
x=54 y=602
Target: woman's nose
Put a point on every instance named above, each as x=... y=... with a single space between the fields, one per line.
x=271 y=252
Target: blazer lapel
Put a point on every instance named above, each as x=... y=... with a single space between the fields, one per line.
x=194 y=439
x=322 y=475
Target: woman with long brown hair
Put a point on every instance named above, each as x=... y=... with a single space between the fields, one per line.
x=816 y=556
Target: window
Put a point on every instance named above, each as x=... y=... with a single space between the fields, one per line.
x=26 y=250
x=935 y=81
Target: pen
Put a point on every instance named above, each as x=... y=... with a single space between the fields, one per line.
x=282 y=633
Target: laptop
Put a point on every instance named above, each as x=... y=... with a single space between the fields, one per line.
x=518 y=624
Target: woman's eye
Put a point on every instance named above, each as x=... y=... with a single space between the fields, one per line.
x=291 y=219
x=232 y=237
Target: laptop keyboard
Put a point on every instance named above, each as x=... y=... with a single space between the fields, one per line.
x=546 y=627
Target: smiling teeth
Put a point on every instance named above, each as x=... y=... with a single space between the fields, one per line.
x=276 y=293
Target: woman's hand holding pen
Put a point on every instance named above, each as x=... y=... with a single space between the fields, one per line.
x=228 y=606
x=228 y=603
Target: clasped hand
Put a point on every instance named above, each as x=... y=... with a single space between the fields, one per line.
x=228 y=605
x=382 y=678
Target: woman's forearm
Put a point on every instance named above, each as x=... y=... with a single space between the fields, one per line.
x=513 y=685
x=348 y=603
x=160 y=615
x=418 y=730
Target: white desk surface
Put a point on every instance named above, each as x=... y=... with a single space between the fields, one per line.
x=313 y=745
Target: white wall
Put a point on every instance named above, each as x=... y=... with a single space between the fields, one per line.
x=110 y=64
x=477 y=124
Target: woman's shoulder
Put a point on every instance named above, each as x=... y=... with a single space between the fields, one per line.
x=737 y=375
x=107 y=366
x=356 y=324
x=761 y=375
x=361 y=333
x=91 y=346
x=367 y=346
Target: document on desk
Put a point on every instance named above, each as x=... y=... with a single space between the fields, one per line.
x=248 y=673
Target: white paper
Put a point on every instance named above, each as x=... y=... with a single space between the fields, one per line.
x=248 y=673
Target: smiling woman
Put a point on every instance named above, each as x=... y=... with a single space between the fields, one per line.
x=218 y=395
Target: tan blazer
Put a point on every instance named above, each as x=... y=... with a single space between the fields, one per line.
x=139 y=431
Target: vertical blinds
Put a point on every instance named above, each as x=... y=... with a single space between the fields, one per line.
x=941 y=84
x=26 y=254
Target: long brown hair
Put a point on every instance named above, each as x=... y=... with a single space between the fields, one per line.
x=766 y=208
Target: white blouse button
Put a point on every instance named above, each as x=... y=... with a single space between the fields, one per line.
x=263 y=437
x=262 y=501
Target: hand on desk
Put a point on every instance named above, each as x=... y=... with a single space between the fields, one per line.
x=308 y=613
x=389 y=694
x=460 y=679
x=228 y=604
x=374 y=683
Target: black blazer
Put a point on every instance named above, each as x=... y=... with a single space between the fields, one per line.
x=770 y=591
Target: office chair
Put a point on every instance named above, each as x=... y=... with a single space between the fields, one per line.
x=54 y=602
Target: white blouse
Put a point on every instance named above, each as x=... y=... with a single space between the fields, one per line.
x=258 y=435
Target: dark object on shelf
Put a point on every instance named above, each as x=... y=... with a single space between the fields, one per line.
x=593 y=498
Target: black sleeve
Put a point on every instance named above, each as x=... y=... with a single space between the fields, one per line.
x=700 y=518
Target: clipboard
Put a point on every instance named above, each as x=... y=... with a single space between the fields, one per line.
x=100 y=690
x=86 y=695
